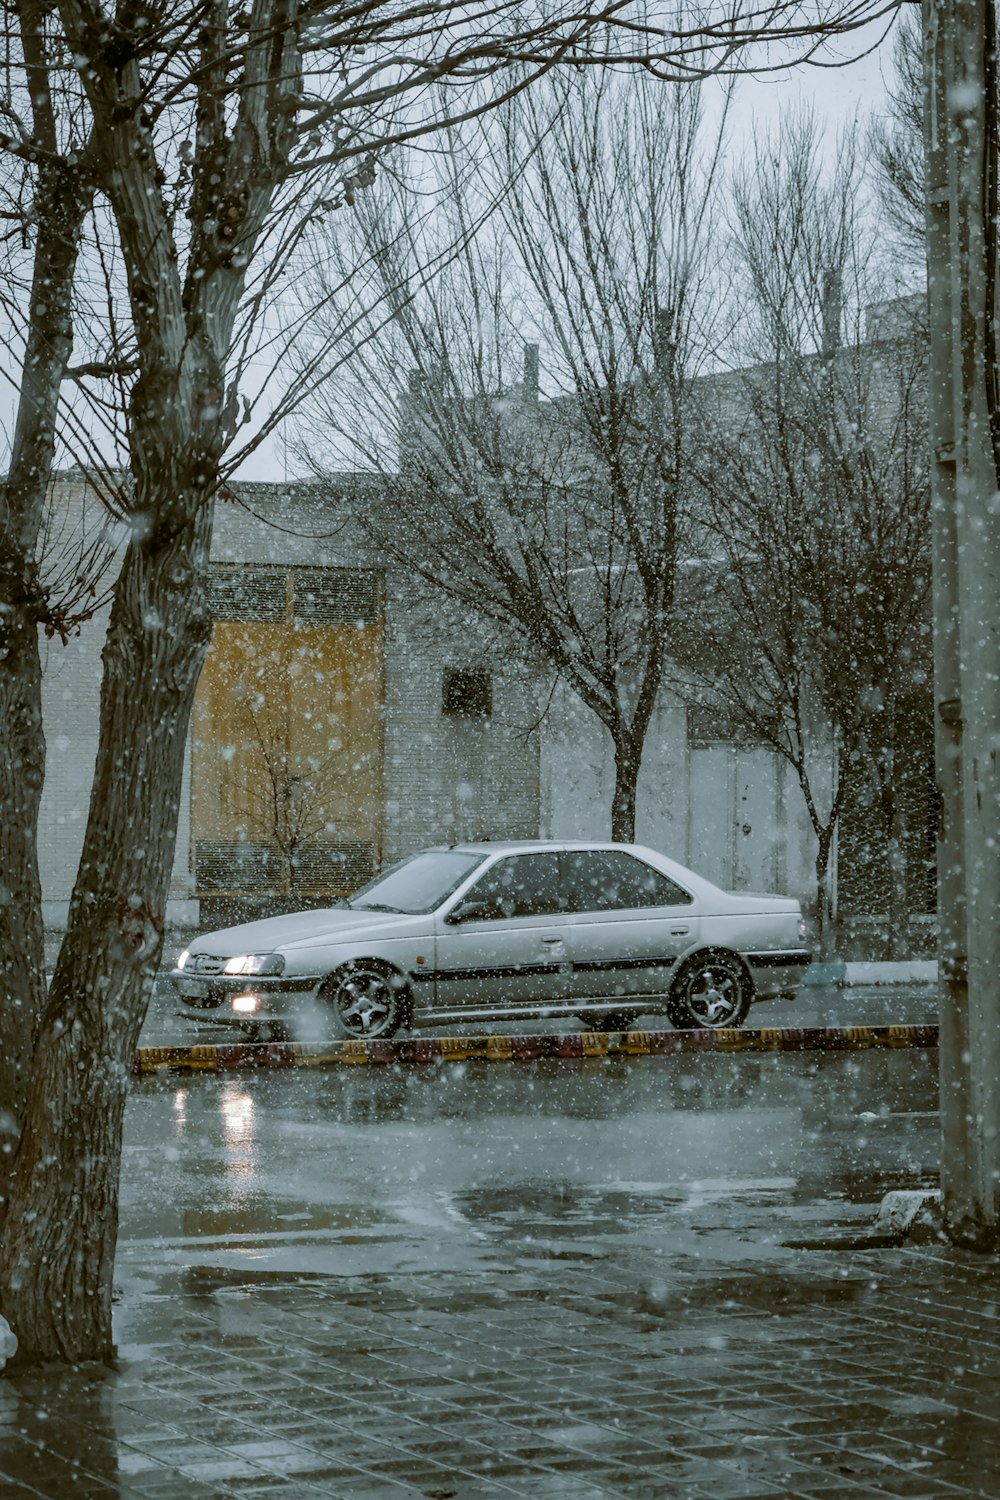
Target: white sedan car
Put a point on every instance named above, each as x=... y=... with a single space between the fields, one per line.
x=503 y=932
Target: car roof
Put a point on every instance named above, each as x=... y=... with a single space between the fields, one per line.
x=506 y=846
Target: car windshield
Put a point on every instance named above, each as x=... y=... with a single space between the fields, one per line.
x=418 y=884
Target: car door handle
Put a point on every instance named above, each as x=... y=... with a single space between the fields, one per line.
x=679 y=931
x=552 y=940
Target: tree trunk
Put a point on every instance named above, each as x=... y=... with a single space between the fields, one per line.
x=898 y=913
x=22 y=952
x=58 y=1248
x=59 y=1238
x=824 y=925
x=61 y=205
x=628 y=759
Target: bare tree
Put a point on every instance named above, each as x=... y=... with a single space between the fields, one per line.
x=815 y=629
x=291 y=796
x=558 y=520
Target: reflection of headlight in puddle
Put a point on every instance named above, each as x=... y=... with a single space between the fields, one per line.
x=237 y=1117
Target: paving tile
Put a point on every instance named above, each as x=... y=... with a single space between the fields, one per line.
x=273 y=1487
x=133 y=1462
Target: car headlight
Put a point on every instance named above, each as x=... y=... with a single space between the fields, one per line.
x=182 y=958
x=255 y=963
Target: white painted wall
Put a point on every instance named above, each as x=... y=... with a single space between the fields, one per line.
x=71 y=690
x=735 y=814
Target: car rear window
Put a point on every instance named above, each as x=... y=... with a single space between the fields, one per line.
x=611 y=880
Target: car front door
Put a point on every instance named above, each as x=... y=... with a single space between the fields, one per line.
x=629 y=924
x=504 y=944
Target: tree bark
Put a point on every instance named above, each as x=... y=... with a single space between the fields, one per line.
x=22 y=954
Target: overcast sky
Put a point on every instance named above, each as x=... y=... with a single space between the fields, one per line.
x=837 y=93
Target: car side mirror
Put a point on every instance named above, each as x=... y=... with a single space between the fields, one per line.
x=473 y=911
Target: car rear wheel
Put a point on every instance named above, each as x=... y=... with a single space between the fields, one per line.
x=365 y=999
x=711 y=989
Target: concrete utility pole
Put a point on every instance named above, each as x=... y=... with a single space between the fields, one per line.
x=962 y=161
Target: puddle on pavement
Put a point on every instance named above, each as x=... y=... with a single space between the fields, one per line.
x=347 y=1172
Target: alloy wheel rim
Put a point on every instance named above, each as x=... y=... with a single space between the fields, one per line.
x=713 y=997
x=364 y=1003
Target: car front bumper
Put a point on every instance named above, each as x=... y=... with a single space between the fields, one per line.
x=209 y=998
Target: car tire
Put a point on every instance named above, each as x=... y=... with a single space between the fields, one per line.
x=365 y=999
x=711 y=990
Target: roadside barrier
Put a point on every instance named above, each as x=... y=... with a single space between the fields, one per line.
x=413 y=1051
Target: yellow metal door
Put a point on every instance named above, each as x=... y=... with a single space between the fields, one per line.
x=287 y=748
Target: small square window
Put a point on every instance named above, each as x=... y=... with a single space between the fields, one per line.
x=467 y=695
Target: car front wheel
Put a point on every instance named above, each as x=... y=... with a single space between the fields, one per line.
x=711 y=989
x=365 y=1000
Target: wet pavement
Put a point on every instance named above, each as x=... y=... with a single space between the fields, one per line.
x=560 y=1278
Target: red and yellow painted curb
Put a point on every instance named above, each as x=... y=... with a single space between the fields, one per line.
x=408 y=1051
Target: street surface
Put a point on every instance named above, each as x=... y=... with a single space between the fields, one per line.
x=629 y=1276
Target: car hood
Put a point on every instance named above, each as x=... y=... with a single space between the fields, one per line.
x=329 y=924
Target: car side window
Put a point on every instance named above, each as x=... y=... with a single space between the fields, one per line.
x=611 y=880
x=522 y=885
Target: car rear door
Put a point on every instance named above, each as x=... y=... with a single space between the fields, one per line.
x=630 y=922
x=505 y=943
